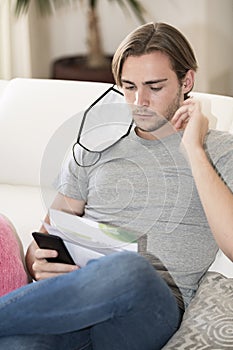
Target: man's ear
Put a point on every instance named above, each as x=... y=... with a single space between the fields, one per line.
x=188 y=81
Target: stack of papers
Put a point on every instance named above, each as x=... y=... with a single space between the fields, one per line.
x=86 y=239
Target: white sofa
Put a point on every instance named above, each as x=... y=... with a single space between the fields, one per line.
x=31 y=110
x=31 y=113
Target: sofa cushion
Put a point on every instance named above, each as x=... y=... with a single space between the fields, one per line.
x=3 y=85
x=31 y=110
x=208 y=321
x=25 y=208
x=218 y=108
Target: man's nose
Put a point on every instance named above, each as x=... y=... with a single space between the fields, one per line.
x=142 y=98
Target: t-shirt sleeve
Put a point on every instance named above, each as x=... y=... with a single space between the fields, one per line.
x=225 y=168
x=72 y=180
x=222 y=156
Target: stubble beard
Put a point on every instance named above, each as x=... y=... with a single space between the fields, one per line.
x=160 y=120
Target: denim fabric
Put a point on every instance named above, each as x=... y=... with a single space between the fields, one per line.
x=118 y=302
x=75 y=341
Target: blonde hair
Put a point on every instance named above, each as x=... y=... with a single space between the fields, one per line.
x=156 y=37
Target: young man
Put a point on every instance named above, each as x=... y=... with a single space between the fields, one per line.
x=171 y=180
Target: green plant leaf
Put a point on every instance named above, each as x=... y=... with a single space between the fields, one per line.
x=135 y=6
x=43 y=6
x=48 y=6
x=21 y=6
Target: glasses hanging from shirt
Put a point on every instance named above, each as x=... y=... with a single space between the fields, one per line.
x=104 y=123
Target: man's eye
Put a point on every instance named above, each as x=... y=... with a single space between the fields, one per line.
x=156 y=88
x=131 y=87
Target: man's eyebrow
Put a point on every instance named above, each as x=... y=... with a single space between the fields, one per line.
x=149 y=82
x=155 y=81
x=127 y=81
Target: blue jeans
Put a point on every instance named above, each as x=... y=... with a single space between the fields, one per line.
x=118 y=302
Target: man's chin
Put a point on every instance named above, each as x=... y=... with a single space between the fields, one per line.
x=158 y=132
x=154 y=128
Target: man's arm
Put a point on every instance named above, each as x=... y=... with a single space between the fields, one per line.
x=216 y=197
x=36 y=262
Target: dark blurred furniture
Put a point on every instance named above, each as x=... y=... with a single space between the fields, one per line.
x=75 y=68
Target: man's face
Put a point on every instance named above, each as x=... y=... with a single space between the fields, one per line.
x=152 y=88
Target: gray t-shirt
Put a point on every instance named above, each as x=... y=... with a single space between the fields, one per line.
x=147 y=186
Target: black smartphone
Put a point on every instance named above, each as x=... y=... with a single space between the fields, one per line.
x=46 y=241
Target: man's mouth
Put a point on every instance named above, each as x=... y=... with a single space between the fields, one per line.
x=143 y=113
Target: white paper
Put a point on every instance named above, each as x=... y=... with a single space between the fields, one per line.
x=87 y=239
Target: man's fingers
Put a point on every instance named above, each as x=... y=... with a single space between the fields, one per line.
x=182 y=110
x=181 y=118
x=48 y=269
x=44 y=269
x=44 y=275
x=45 y=253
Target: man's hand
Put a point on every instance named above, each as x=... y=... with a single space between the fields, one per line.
x=43 y=269
x=37 y=265
x=196 y=125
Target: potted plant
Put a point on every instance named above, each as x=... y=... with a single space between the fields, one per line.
x=95 y=61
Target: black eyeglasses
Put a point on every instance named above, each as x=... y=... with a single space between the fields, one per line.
x=107 y=121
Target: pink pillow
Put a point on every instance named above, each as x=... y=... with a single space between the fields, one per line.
x=12 y=272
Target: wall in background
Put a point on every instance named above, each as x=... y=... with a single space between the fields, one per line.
x=208 y=25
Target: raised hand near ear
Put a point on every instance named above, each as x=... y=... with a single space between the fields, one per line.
x=195 y=124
